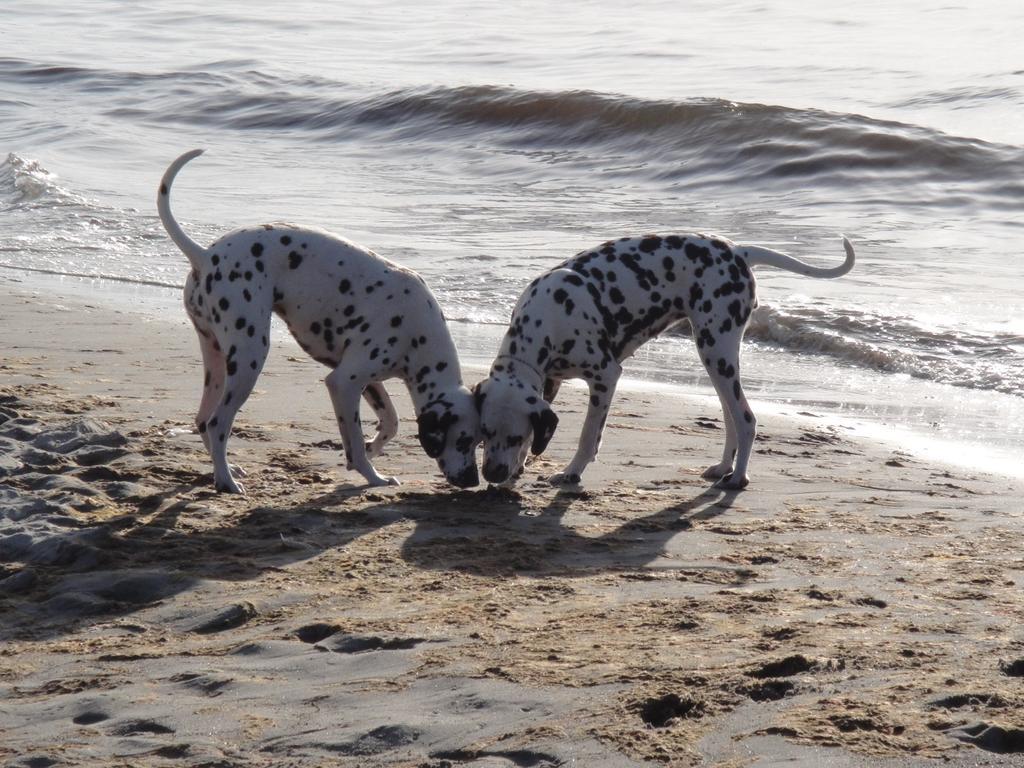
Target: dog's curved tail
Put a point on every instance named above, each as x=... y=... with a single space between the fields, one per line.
x=195 y=252
x=756 y=256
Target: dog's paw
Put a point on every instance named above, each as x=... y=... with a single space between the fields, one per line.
x=564 y=478
x=237 y=471
x=717 y=472
x=229 y=486
x=382 y=480
x=731 y=482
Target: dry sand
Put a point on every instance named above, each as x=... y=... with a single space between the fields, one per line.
x=853 y=607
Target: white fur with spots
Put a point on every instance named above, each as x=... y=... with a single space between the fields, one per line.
x=584 y=317
x=365 y=318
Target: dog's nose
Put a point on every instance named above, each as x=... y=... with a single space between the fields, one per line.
x=495 y=473
x=467 y=478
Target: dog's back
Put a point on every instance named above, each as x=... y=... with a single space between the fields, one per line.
x=330 y=292
x=630 y=290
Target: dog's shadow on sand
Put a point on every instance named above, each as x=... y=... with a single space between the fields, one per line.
x=496 y=532
x=125 y=565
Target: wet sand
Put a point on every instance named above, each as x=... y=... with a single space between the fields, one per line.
x=854 y=607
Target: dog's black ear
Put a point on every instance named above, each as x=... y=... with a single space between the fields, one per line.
x=544 y=423
x=432 y=433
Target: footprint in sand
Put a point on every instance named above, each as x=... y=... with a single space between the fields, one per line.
x=992 y=738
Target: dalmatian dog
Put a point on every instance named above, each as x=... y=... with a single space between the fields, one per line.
x=362 y=316
x=584 y=317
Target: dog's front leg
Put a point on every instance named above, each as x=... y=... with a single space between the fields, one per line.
x=602 y=390
x=345 y=388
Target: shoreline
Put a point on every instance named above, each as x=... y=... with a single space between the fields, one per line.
x=476 y=344
x=855 y=606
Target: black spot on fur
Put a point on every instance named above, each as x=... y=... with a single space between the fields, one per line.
x=650 y=244
x=705 y=339
x=699 y=253
x=257 y=250
x=294 y=260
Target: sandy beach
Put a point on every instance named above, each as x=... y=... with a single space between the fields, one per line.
x=855 y=606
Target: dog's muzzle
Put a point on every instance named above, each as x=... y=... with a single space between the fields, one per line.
x=496 y=473
x=467 y=478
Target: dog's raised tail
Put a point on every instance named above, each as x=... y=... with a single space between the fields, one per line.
x=756 y=256
x=189 y=247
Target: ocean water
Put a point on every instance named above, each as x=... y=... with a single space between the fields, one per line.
x=483 y=142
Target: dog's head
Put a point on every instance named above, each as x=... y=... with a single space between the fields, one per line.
x=449 y=432
x=514 y=420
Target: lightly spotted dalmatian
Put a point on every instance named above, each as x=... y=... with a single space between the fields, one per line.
x=584 y=317
x=362 y=316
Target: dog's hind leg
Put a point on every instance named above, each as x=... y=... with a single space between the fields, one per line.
x=213 y=381
x=241 y=369
x=723 y=366
x=387 y=418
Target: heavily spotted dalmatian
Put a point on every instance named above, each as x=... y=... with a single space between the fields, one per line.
x=360 y=315
x=586 y=316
